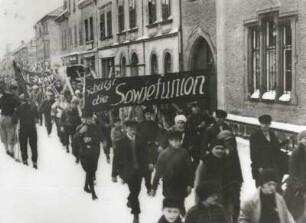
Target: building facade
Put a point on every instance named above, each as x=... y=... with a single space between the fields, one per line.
x=48 y=41
x=25 y=55
x=258 y=51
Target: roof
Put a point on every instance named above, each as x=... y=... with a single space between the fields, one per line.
x=53 y=13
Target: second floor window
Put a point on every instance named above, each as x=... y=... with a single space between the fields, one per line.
x=132 y=8
x=167 y=63
x=102 y=26
x=121 y=16
x=166 y=9
x=86 y=30
x=109 y=23
x=152 y=11
x=91 y=28
x=80 y=35
x=75 y=36
x=154 y=64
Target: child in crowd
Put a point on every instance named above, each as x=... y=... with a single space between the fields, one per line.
x=171 y=211
x=208 y=210
x=174 y=166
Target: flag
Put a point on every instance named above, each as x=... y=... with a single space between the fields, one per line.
x=20 y=80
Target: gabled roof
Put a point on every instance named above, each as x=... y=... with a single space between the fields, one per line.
x=53 y=13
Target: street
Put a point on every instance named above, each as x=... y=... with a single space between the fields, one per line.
x=54 y=193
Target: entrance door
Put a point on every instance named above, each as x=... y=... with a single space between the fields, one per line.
x=202 y=59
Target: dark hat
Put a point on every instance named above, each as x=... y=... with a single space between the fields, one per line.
x=225 y=135
x=302 y=135
x=169 y=202
x=75 y=101
x=221 y=113
x=130 y=123
x=268 y=175
x=148 y=110
x=206 y=189
x=216 y=142
x=194 y=104
x=175 y=135
x=265 y=119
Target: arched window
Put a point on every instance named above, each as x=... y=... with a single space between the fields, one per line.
x=167 y=63
x=134 y=65
x=154 y=64
x=123 y=67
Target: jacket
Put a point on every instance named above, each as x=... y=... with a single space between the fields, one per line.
x=264 y=154
x=250 y=211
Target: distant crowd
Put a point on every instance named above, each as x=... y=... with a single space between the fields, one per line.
x=177 y=146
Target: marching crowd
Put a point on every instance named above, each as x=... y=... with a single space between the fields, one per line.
x=181 y=148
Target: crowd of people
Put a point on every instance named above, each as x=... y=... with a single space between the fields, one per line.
x=184 y=149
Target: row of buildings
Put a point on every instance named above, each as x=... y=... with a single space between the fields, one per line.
x=254 y=50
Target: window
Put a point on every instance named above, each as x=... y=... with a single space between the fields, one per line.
x=65 y=4
x=134 y=65
x=70 y=37
x=123 y=67
x=132 y=7
x=166 y=9
x=86 y=30
x=80 y=35
x=108 y=67
x=75 y=36
x=152 y=11
x=69 y=5
x=109 y=24
x=102 y=26
x=167 y=63
x=45 y=27
x=91 y=28
x=154 y=64
x=270 y=58
x=46 y=49
x=121 y=16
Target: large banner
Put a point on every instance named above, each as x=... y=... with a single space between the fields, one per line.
x=104 y=94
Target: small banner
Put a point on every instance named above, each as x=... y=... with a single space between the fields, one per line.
x=33 y=78
x=106 y=93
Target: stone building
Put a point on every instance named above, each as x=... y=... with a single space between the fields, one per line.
x=48 y=41
x=258 y=51
x=25 y=55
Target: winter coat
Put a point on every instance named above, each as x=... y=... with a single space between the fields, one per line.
x=251 y=210
x=264 y=154
x=89 y=151
x=163 y=220
x=124 y=158
x=201 y=214
x=70 y=117
x=174 y=166
x=46 y=106
x=27 y=114
x=294 y=194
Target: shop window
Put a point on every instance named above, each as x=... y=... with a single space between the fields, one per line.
x=152 y=11
x=132 y=9
x=270 y=60
x=167 y=63
x=134 y=65
x=166 y=9
x=154 y=64
x=109 y=24
x=121 y=16
x=102 y=26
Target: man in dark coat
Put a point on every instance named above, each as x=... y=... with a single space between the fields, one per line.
x=265 y=149
x=45 y=109
x=214 y=129
x=148 y=130
x=130 y=165
x=27 y=114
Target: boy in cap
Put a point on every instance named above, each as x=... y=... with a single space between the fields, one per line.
x=207 y=210
x=171 y=211
x=174 y=167
x=213 y=130
x=264 y=148
x=266 y=205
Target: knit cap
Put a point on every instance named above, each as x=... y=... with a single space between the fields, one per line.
x=180 y=118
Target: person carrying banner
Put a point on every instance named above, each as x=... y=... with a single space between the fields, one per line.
x=8 y=103
x=37 y=97
x=27 y=115
x=45 y=109
x=105 y=125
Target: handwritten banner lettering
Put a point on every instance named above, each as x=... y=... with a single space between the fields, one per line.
x=103 y=94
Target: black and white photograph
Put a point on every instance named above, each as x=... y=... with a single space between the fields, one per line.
x=153 y=111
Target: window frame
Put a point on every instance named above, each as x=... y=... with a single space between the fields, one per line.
x=166 y=9
x=109 y=23
x=279 y=94
x=102 y=26
x=134 y=64
x=152 y=13
x=121 y=25
x=133 y=14
x=154 y=64
x=167 y=58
